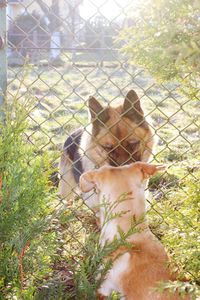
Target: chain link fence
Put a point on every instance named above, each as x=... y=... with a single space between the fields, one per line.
x=70 y=52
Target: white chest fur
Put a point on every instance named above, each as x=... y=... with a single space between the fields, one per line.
x=112 y=281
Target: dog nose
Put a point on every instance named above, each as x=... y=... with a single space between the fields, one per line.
x=119 y=156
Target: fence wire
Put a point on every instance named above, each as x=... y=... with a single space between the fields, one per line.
x=70 y=52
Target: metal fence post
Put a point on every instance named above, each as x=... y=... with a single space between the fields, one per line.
x=3 y=58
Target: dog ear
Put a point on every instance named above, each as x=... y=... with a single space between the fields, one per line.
x=132 y=108
x=98 y=113
x=87 y=181
x=149 y=170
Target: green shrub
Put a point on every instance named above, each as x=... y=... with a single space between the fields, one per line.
x=164 y=40
x=177 y=218
x=25 y=244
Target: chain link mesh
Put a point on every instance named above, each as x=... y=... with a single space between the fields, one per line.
x=69 y=52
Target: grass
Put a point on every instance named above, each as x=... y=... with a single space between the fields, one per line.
x=61 y=106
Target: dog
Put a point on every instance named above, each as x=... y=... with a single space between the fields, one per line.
x=115 y=136
x=136 y=270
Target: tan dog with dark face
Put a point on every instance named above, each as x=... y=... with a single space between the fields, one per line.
x=115 y=136
x=136 y=273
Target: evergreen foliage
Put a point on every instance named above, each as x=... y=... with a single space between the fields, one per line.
x=178 y=227
x=25 y=246
x=164 y=39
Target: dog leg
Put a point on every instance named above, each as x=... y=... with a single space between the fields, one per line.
x=67 y=184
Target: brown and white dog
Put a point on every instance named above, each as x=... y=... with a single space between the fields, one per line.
x=115 y=136
x=138 y=270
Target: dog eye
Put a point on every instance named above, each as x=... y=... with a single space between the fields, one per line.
x=108 y=147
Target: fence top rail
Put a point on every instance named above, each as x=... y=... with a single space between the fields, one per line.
x=69 y=49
